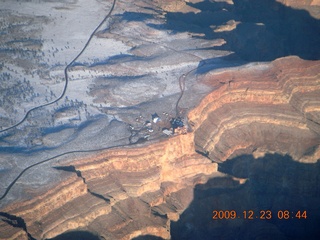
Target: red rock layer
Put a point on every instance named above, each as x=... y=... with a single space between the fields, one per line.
x=124 y=193
x=261 y=108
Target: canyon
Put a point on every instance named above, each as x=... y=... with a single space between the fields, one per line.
x=128 y=192
x=251 y=107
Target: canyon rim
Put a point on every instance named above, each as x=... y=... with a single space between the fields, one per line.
x=173 y=111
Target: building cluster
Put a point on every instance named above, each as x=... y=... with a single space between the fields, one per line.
x=168 y=126
x=176 y=125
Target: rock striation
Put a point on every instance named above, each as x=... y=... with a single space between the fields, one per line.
x=262 y=107
x=253 y=140
x=134 y=191
x=121 y=194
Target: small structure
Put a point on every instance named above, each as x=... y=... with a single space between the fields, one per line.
x=147 y=124
x=155 y=118
x=176 y=122
x=167 y=131
x=178 y=126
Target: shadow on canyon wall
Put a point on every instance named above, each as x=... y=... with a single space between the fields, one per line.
x=265 y=30
x=147 y=237
x=76 y=235
x=274 y=182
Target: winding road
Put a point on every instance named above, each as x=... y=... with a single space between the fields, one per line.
x=56 y=100
x=182 y=80
x=65 y=73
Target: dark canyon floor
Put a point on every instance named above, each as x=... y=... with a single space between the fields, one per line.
x=195 y=119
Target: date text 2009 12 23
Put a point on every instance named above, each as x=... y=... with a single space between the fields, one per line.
x=262 y=214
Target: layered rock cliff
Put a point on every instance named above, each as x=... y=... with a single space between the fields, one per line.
x=252 y=142
x=120 y=193
x=129 y=192
x=261 y=107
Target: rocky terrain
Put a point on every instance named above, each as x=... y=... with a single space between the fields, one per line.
x=242 y=77
x=259 y=108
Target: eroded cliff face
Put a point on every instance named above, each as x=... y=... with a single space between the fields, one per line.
x=120 y=193
x=129 y=192
x=261 y=108
x=169 y=188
